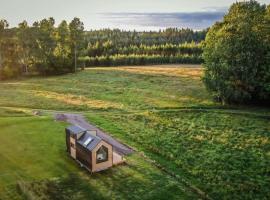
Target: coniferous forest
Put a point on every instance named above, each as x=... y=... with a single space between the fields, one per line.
x=48 y=49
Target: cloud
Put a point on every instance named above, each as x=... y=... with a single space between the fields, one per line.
x=215 y=9
x=193 y=20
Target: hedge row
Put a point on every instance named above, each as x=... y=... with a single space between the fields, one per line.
x=117 y=60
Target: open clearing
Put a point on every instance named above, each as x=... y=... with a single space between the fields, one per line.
x=164 y=112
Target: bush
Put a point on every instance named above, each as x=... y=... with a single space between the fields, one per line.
x=236 y=55
x=7 y=72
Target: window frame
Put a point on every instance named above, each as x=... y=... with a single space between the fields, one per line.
x=106 y=151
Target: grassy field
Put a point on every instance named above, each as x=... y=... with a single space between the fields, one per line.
x=33 y=159
x=163 y=111
x=123 y=89
x=223 y=154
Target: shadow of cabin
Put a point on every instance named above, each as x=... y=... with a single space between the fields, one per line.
x=89 y=150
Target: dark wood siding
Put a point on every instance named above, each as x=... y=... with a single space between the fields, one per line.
x=84 y=156
x=68 y=140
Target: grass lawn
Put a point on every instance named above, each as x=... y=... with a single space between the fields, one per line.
x=33 y=158
x=163 y=111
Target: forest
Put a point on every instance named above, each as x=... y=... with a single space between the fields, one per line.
x=48 y=49
x=41 y=48
x=111 y=53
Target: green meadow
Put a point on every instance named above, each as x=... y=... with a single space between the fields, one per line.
x=187 y=146
x=34 y=165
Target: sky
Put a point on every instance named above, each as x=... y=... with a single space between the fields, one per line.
x=124 y=14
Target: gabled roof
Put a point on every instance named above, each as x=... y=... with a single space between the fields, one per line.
x=88 y=141
x=75 y=129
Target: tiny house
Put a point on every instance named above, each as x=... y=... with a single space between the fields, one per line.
x=89 y=150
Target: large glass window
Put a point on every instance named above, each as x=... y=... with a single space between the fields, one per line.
x=102 y=154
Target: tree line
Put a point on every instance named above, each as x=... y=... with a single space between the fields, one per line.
x=126 y=38
x=108 y=53
x=108 y=48
x=140 y=59
x=49 y=49
x=40 y=48
x=115 y=47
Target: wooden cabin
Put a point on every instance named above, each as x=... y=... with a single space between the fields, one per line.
x=89 y=150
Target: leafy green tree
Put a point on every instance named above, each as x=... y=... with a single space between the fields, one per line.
x=76 y=29
x=3 y=25
x=45 y=43
x=236 y=55
x=266 y=36
x=26 y=44
x=9 y=51
x=62 y=52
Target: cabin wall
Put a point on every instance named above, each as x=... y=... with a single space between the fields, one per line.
x=117 y=158
x=73 y=147
x=104 y=165
x=73 y=141
x=68 y=140
x=84 y=156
